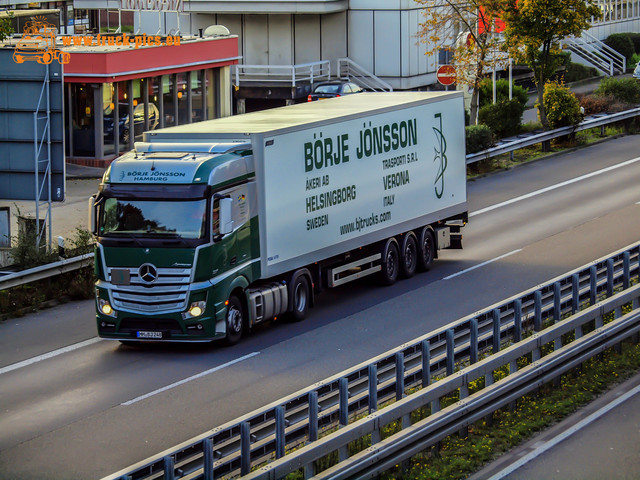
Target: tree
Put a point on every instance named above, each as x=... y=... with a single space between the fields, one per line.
x=534 y=29
x=466 y=28
x=6 y=27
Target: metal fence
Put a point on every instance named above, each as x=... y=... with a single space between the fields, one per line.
x=527 y=139
x=295 y=432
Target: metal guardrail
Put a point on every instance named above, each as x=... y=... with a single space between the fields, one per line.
x=287 y=75
x=525 y=140
x=258 y=441
x=45 y=271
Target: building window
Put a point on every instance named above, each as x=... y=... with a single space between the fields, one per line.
x=108 y=109
x=82 y=120
x=196 y=96
x=184 y=115
x=167 y=100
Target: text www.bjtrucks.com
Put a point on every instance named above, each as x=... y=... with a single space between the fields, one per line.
x=361 y=223
x=123 y=40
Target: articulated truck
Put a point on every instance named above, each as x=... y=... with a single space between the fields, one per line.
x=208 y=229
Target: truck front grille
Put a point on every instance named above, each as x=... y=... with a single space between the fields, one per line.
x=168 y=293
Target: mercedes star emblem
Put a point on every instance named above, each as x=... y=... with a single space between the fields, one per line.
x=148 y=273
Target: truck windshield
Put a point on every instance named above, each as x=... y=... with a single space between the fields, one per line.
x=184 y=219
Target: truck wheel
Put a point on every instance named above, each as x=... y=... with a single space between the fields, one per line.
x=427 y=249
x=390 y=262
x=234 y=320
x=300 y=298
x=409 y=257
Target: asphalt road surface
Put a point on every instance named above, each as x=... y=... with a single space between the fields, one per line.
x=95 y=406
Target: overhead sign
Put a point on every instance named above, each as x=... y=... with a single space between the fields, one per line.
x=446 y=74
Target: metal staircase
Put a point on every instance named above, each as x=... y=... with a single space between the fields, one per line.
x=597 y=53
x=349 y=70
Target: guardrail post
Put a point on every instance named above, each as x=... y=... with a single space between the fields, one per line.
x=473 y=341
x=426 y=363
x=537 y=313
x=373 y=388
x=169 y=470
x=593 y=283
x=575 y=293
x=609 y=277
x=626 y=270
x=343 y=388
x=450 y=351
x=399 y=376
x=557 y=297
x=245 y=448
x=207 y=447
x=517 y=320
x=280 y=434
x=464 y=393
x=309 y=470
x=496 y=330
x=313 y=416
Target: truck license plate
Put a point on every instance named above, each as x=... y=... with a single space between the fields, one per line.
x=149 y=334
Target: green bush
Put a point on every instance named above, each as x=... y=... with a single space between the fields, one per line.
x=502 y=92
x=621 y=43
x=503 y=118
x=478 y=138
x=626 y=90
x=561 y=105
x=577 y=71
x=635 y=38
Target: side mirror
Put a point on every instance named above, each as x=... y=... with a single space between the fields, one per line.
x=226 y=224
x=93 y=227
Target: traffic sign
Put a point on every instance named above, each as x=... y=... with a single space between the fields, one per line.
x=446 y=74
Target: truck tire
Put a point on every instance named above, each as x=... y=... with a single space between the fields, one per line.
x=300 y=298
x=234 y=320
x=390 y=262
x=409 y=255
x=426 y=249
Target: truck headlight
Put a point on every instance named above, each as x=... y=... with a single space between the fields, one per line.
x=195 y=310
x=105 y=308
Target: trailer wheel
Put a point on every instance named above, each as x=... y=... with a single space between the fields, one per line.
x=390 y=262
x=234 y=320
x=427 y=249
x=409 y=257
x=301 y=296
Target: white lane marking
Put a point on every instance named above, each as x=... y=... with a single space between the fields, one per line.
x=46 y=356
x=194 y=377
x=567 y=433
x=482 y=264
x=553 y=187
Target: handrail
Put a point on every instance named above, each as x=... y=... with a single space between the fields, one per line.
x=296 y=423
x=347 y=68
x=285 y=74
x=597 y=52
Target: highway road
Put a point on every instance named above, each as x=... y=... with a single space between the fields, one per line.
x=75 y=407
